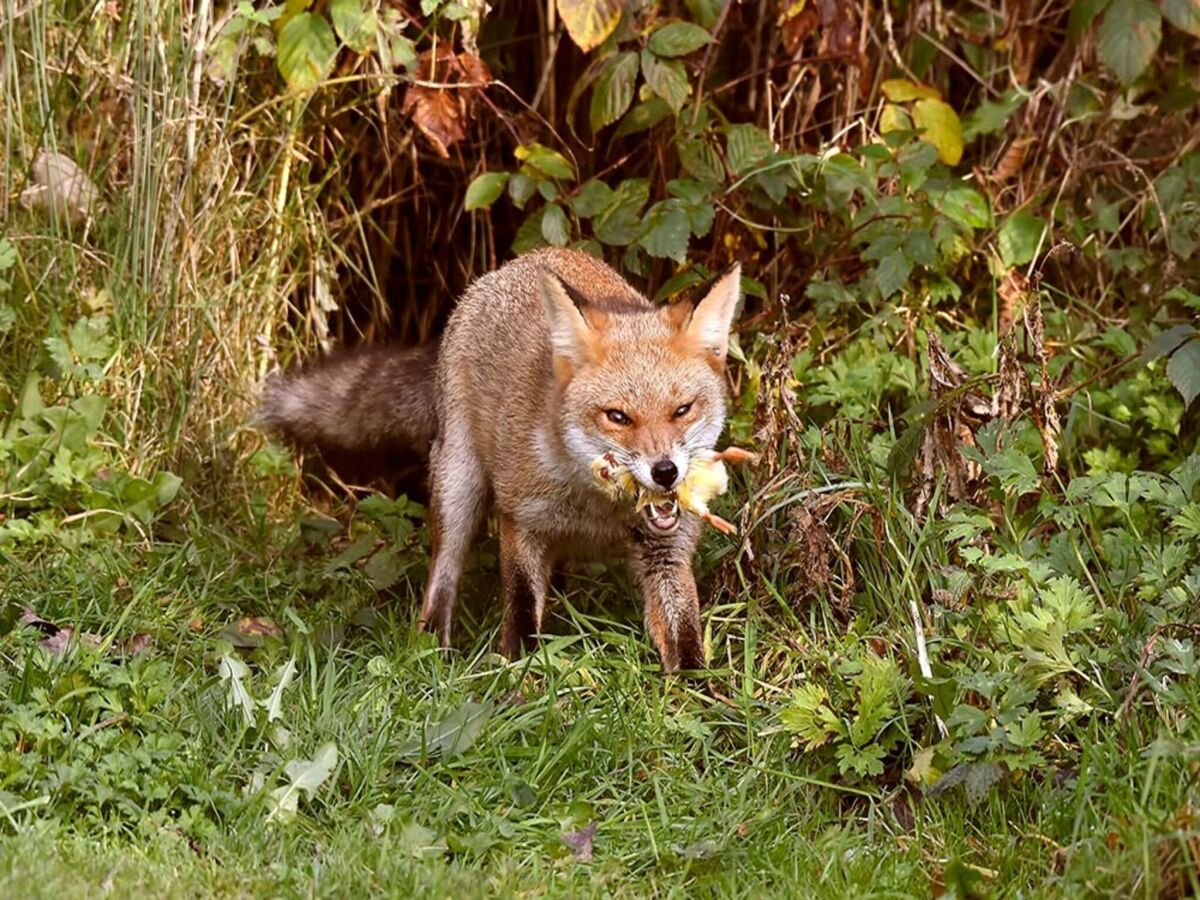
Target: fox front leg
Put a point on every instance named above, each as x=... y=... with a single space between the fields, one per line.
x=662 y=569
x=524 y=579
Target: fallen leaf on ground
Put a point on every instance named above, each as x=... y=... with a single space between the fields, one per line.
x=580 y=842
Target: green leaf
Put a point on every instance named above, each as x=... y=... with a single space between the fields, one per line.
x=747 y=146
x=892 y=273
x=306 y=775
x=589 y=22
x=940 y=126
x=1183 y=14
x=485 y=189
x=8 y=255
x=354 y=25
x=521 y=187
x=614 y=90
x=992 y=115
x=678 y=39
x=1183 y=368
x=592 y=198
x=706 y=12
x=666 y=78
x=1166 y=342
x=667 y=231
x=529 y=235
x=1083 y=13
x=620 y=223
x=1128 y=37
x=555 y=227
x=384 y=568
x=307 y=48
x=548 y=162
x=1014 y=470
x=963 y=205
x=700 y=160
x=1019 y=238
x=452 y=736
x=645 y=115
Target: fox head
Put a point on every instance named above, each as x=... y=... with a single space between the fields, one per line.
x=646 y=384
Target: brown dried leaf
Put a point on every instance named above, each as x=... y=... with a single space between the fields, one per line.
x=1012 y=161
x=580 y=842
x=61 y=641
x=1013 y=291
x=251 y=631
x=444 y=98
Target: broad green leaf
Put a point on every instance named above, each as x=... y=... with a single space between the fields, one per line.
x=667 y=231
x=938 y=123
x=614 y=90
x=384 y=568
x=991 y=115
x=521 y=187
x=307 y=48
x=700 y=160
x=8 y=254
x=1014 y=470
x=706 y=12
x=892 y=273
x=1019 y=238
x=1083 y=13
x=666 y=78
x=620 y=223
x=1128 y=37
x=901 y=90
x=1183 y=14
x=589 y=22
x=645 y=115
x=963 y=205
x=1183 y=368
x=485 y=189
x=555 y=227
x=355 y=25
x=678 y=39
x=894 y=118
x=747 y=146
x=453 y=735
x=592 y=198
x=548 y=162
x=529 y=235
x=1166 y=342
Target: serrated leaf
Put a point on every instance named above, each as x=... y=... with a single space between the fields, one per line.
x=235 y=672
x=1183 y=14
x=901 y=90
x=645 y=115
x=384 y=568
x=274 y=703
x=1014 y=470
x=667 y=231
x=1019 y=238
x=1183 y=368
x=620 y=223
x=529 y=235
x=555 y=227
x=991 y=115
x=700 y=160
x=1129 y=35
x=592 y=198
x=892 y=273
x=965 y=206
x=589 y=22
x=452 y=735
x=678 y=39
x=614 y=90
x=548 y=162
x=747 y=146
x=1165 y=342
x=355 y=25
x=305 y=776
x=485 y=189
x=666 y=78
x=307 y=48
x=939 y=125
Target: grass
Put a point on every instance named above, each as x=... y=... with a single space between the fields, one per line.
x=146 y=774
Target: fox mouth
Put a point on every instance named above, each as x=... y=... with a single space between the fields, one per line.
x=662 y=514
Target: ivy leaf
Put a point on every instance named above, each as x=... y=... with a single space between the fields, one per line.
x=306 y=51
x=548 y=162
x=1019 y=238
x=940 y=126
x=678 y=39
x=620 y=223
x=1183 y=368
x=614 y=90
x=666 y=78
x=1128 y=37
x=667 y=231
x=589 y=22
x=747 y=146
x=354 y=25
x=485 y=189
x=555 y=227
x=1183 y=14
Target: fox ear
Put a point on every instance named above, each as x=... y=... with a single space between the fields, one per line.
x=571 y=338
x=709 y=325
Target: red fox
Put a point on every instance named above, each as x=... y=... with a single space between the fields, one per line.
x=546 y=363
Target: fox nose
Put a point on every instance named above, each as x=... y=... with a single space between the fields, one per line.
x=664 y=473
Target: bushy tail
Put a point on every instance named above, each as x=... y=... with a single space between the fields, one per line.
x=369 y=400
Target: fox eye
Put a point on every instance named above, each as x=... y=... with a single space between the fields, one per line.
x=683 y=410
x=617 y=417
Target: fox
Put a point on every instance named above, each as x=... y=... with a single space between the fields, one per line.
x=546 y=363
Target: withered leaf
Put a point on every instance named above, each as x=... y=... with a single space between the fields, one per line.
x=443 y=100
x=580 y=842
